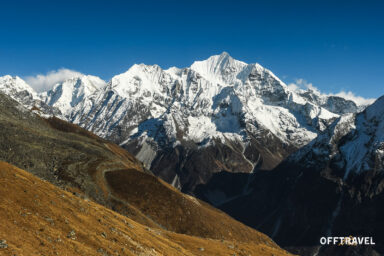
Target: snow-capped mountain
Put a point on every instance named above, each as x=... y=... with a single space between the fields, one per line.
x=353 y=144
x=15 y=86
x=168 y=118
x=69 y=93
x=19 y=90
x=333 y=186
x=211 y=129
x=185 y=124
x=329 y=102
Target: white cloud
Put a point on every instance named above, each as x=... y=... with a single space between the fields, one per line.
x=293 y=87
x=302 y=84
x=45 y=82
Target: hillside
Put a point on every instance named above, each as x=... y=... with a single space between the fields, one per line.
x=81 y=162
x=38 y=218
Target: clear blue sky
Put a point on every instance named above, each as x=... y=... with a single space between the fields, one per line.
x=336 y=45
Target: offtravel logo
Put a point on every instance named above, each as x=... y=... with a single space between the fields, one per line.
x=349 y=240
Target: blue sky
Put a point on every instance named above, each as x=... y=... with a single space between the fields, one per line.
x=335 y=45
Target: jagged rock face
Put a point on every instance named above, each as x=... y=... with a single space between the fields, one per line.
x=332 y=186
x=186 y=124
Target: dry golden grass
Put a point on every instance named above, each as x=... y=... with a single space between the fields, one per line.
x=37 y=219
x=176 y=211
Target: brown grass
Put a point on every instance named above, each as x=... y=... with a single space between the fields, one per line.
x=176 y=211
x=153 y=202
x=36 y=218
x=64 y=126
x=87 y=165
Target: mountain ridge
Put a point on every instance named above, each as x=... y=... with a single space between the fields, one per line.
x=215 y=106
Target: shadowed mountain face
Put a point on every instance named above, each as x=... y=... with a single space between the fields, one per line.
x=38 y=218
x=78 y=161
x=331 y=187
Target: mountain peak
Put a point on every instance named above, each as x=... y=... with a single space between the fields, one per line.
x=137 y=69
x=223 y=57
x=6 y=77
x=67 y=94
x=13 y=84
x=218 y=67
x=224 y=53
x=220 y=59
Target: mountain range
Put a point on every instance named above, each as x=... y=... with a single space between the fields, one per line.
x=186 y=124
x=292 y=163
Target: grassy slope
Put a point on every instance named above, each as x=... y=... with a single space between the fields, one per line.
x=79 y=161
x=36 y=218
x=129 y=190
